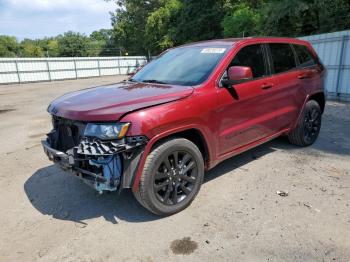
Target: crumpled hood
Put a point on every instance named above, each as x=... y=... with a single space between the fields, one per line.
x=111 y=102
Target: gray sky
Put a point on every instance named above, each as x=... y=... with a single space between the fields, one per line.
x=40 y=18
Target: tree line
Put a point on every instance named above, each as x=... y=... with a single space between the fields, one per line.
x=69 y=44
x=155 y=25
x=147 y=27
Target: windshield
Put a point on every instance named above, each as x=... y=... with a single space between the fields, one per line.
x=186 y=66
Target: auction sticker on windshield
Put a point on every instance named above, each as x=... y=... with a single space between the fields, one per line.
x=213 y=50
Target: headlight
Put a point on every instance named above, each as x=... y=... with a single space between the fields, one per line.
x=105 y=131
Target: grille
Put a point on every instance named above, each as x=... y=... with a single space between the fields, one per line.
x=69 y=133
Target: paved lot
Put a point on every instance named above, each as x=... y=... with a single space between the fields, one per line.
x=47 y=215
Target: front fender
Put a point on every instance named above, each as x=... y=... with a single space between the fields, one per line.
x=153 y=141
x=165 y=120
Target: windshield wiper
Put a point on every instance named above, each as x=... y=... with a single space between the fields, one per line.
x=153 y=81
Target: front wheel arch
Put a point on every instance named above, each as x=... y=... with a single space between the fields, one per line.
x=193 y=134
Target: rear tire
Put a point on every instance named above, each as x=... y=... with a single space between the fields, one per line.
x=171 y=178
x=308 y=127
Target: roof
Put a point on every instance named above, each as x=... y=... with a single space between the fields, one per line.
x=232 y=41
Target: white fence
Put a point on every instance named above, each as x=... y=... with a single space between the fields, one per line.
x=334 y=51
x=24 y=70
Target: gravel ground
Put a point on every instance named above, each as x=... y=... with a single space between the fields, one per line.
x=47 y=215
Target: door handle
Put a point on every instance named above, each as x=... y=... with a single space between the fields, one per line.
x=266 y=86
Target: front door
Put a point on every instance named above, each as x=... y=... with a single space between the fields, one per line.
x=246 y=112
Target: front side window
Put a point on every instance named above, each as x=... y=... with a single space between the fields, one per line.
x=304 y=56
x=186 y=66
x=283 y=58
x=251 y=56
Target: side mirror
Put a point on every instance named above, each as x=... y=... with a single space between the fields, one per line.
x=236 y=75
x=239 y=73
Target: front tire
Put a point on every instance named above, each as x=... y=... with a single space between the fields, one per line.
x=171 y=178
x=308 y=127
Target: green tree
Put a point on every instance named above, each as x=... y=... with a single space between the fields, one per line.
x=143 y=26
x=140 y=26
x=161 y=25
x=72 y=44
x=103 y=41
x=230 y=5
x=95 y=47
x=129 y=24
x=304 y=17
x=102 y=35
x=52 y=48
x=199 y=20
x=244 y=21
x=8 y=46
x=31 y=48
x=332 y=15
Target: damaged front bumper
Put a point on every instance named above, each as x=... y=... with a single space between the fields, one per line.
x=104 y=165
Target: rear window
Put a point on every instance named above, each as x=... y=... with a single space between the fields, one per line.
x=282 y=57
x=304 y=56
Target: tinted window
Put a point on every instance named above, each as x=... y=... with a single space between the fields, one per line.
x=282 y=57
x=253 y=57
x=182 y=66
x=304 y=56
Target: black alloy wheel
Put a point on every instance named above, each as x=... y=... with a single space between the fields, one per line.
x=312 y=125
x=308 y=127
x=175 y=177
x=172 y=177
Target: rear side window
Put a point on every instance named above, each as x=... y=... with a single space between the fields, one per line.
x=253 y=57
x=304 y=56
x=282 y=57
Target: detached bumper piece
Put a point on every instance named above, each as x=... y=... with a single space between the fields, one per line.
x=90 y=146
x=104 y=165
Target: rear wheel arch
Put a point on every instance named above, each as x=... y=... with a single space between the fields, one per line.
x=308 y=126
x=320 y=99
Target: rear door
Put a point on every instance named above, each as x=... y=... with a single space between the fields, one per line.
x=309 y=69
x=246 y=112
x=289 y=93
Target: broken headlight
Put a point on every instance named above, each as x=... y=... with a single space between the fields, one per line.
x=106 y=131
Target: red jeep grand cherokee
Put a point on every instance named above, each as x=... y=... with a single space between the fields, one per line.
x=185 y=112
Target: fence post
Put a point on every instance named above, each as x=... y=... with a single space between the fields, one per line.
x=341 y=61
x=18 y=76
x=119 y=66
x=99 y=68
x=48 y=69
x=75 y=68
x=137 y=65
